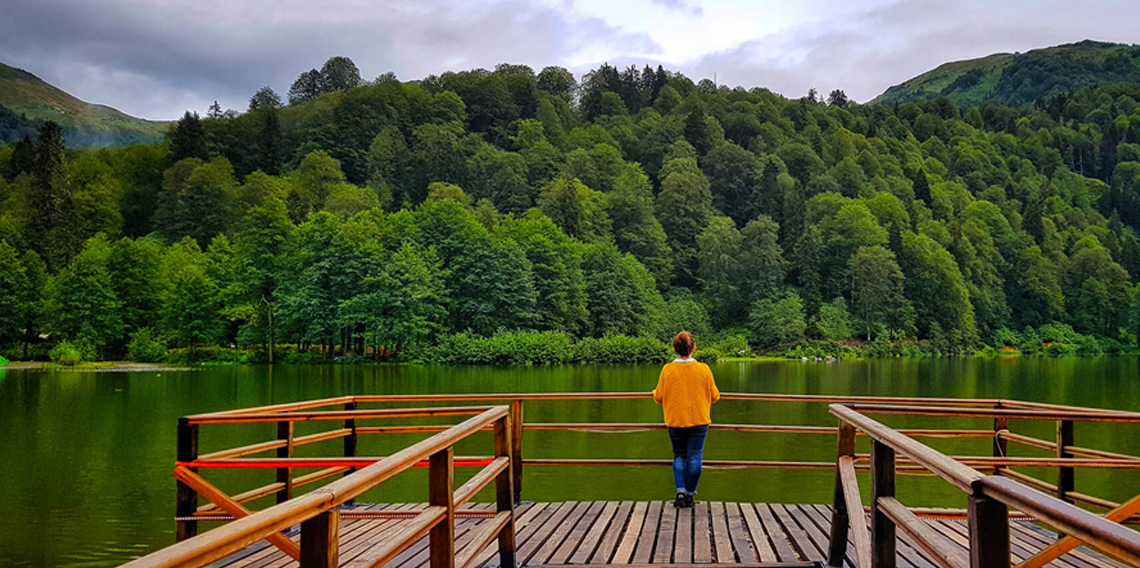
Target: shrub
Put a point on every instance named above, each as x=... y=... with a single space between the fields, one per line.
x=3 y=361
x=543 y=348
x=213 y=354
x=708 y=355
x=69 y=354
x=732 y=345
x=146 y=347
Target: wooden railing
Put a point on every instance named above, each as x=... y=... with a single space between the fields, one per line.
x=353 y=416
x=989 y=497
x=318 y=512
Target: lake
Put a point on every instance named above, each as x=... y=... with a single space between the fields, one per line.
x=86 y=457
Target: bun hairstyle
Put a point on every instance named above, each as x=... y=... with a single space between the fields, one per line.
x=684 y=344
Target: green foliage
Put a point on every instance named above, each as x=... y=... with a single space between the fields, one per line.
x=708 y=355
x=378 y=220
x=545 y=348
x=146 y=346
x=70 y=354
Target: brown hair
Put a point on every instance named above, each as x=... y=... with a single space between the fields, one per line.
x=684 y=344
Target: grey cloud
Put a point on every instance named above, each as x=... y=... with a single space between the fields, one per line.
x=885 y=47
x=188 y=56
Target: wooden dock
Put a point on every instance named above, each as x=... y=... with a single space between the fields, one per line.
x=641 y=533
x=1001 y=526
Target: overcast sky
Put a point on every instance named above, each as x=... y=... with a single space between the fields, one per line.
x=157 y=58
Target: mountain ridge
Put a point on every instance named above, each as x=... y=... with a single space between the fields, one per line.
x=1021 y=78
x=84 y=123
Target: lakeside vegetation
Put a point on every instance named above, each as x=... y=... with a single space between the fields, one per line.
x=509 y=216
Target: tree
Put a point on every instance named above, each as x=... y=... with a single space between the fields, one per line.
x=877 y=291
x=215 y=111
x=260 y=245
x=187 y=139
x=577 y=209
x=721 y=271
x=556 y=261
x=559 y=82
x=338 y=74
x=264 y=99
x=12 y=282
x=197 y=200
x=774 y=321
x=697 y=131
x=837 y=98
x=405 y=304
x=82 y=305
x=734 y=176
x=32 y=297
x=934 y=285
x=684 y=207
x=622 y=298
x=306 y=88
x=51 y=213
x=834 y=322
x=191 y=307
x=636 y=230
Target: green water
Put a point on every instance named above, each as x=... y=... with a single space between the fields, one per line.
x=86 y=458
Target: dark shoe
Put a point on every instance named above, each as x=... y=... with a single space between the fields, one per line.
x=680 y=501
x=689 y=500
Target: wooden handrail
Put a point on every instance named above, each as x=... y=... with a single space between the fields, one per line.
x=940 y=548
x=959 y=475
x=989 y=496
x=1100 y=533
x=339 y=415
x=219 y=543
x=1044 y=414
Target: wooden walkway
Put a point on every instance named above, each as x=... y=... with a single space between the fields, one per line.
x=642 y=533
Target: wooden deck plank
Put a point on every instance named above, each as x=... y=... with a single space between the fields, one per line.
x=419 y=554
x=628 y=545
x=722 y=542
x=525 y=522
x=739 y=535
x=683 y=541
x=644 y=550
x=594 y=536
x=546 y=540
x=781 y=541
x=606 y=548
x=577 y=534
x=666 y=531
x=596 y=533
x=799 y=537
x=702 y=546
x=756 y=529
x=1080 y=557
x=820 y=537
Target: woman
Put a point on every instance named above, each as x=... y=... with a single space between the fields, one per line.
x=686 y=390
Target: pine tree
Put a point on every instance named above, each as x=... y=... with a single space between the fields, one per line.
x=187 y=139
x=51 y=215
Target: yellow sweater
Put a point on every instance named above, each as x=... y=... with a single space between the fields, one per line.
x=686 y=391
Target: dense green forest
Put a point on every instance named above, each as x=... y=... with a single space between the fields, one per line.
x=393 y=218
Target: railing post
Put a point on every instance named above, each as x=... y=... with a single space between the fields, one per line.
x=989 y=533
x=350 y=440
x=187 y=499
x=320 y=540
x=441 y=492
x=516 y=447
x=882 y=485
x=285 y=474
x=1065 y=480
x=505 y=494
x=840 y=516
x=1001 y=445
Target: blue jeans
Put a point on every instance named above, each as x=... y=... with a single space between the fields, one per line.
x=688 y=448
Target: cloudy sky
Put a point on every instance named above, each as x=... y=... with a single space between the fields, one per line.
x=156 y=58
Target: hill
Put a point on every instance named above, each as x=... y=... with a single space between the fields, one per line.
x=1021 y=78
x=84 y=124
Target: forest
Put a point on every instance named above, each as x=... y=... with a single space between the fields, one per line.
x=514 y=216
